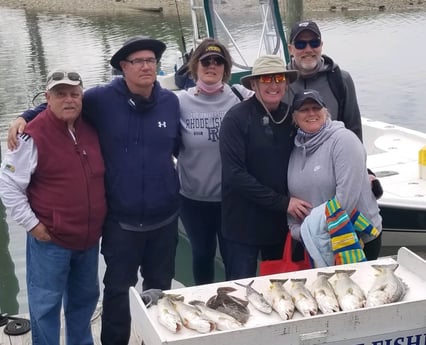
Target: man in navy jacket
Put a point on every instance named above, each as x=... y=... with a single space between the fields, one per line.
x=138 y=126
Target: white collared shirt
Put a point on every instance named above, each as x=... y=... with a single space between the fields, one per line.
x=15 y=175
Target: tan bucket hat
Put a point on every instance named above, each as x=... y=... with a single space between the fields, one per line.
x=268 y=64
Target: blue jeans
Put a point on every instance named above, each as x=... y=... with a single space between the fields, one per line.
x=125 y=253
x=242 y=259
x=57 y=276
x=202 y=222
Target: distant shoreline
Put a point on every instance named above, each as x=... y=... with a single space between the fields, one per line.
x=168 y=7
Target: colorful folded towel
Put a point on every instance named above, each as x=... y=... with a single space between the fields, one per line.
x=345 y=244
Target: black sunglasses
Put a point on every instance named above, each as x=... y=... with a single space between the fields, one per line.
x=74 y=76
x=216 y=60
x=299 y=44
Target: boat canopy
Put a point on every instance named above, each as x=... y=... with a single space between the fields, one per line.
x=258 y=32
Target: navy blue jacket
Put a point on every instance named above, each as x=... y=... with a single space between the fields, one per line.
x=138 y=139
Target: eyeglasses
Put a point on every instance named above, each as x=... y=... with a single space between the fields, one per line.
x=267 y=79
x=56 y=76
x=218 y=61
x=141 y=61
x=299 y=44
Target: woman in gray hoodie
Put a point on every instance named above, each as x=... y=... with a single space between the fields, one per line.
x=329 y=162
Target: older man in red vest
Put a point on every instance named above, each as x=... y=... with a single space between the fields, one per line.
x=53 y=185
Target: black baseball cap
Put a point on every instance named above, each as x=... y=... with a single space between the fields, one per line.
x=302 y=96
x=302 y=26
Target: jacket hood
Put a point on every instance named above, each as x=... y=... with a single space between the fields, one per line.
x=328 y=65
x=311 y=144
x=136 y=101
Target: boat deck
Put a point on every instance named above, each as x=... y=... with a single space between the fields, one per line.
x=393 y=154
x=25 y=339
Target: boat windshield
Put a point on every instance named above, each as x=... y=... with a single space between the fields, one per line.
x=258 y=32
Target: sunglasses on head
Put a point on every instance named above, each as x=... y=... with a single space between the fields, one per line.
x=215 y=60
x=300 y=44
x=267 y=79
x=74 y=76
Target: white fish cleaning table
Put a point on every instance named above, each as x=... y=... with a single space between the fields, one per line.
x=399 y=323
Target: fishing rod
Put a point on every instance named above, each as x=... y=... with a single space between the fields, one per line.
x=181 y=29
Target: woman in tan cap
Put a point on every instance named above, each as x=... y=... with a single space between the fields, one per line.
x=202 y=108
x=256 y=139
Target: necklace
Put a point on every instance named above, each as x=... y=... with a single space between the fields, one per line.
x=265 y=119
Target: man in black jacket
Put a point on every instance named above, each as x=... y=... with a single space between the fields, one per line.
x=256 y=139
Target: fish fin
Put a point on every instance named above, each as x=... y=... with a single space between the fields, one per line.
x=405 y=288
x=196 y=302
x=295 y=280
x=281 y=281
x=242 y=284
x=211 y=302
x=326 y=274
x=382 y=268
x=320 y=292
x=225 y=290
x=243 y=302
x=348 y=272
x=175 y=297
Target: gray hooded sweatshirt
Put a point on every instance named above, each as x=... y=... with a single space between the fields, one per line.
x=328 y=164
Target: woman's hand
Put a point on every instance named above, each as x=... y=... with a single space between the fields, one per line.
x=298 y=208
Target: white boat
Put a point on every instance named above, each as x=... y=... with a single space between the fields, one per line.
x=398 y=157
x=393 y=151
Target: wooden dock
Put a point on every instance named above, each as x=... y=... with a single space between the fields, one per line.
x=25 y=339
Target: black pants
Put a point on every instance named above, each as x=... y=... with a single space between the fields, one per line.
x=372 y=248
x=202 y=222
x=125 y=253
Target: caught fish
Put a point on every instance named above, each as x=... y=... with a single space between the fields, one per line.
x=387 y=287
x=192 y=318
x=302 y=297
x=228 y=304
x=224 y=322
x=256 y=298
x=324 y=294
x=349 y=294
x=167 y=315
x=280 y=299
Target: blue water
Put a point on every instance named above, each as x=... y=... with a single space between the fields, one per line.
x=383 y=51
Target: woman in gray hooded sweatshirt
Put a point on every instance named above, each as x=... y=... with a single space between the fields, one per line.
x=329 y=162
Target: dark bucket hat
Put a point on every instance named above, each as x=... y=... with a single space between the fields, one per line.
x=135 y=44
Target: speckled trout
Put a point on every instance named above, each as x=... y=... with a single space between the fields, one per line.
x=280 y=299
x=324 y=294
x=167 y=315
x=223 y=321
x=256 y=298
x=387 y=287
x=303 y=300
x=192 y=318
x=349 y=294
x=228 y=304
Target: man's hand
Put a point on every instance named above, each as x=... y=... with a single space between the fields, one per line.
x=16 y=127
x=298 y=208
x=40 y=232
